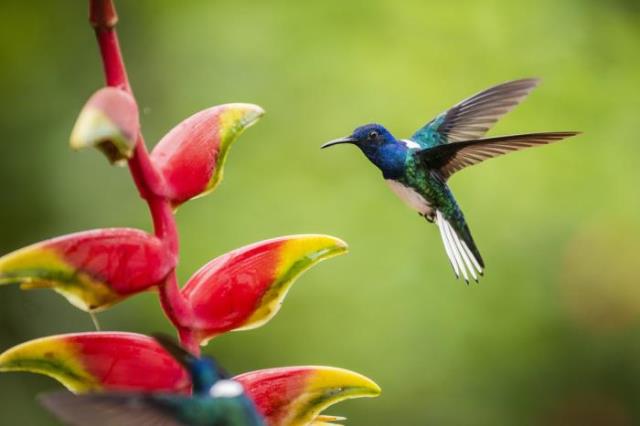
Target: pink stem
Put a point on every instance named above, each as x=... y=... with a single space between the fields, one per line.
x=103 y=18
x=179 y=311
x=189 y=341
x=114 y=70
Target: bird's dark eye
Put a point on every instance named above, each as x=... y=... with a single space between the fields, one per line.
x=373 y=135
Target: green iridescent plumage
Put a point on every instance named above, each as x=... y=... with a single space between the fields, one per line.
x=428 y=136
x=434 y=189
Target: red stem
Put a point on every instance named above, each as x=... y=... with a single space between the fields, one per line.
x=103 y=18
x=114 y=70
x=179 y=310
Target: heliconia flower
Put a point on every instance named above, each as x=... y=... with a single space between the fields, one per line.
x=110 y=122
x=92 y=269
x=297 y=395
x=115 y=361
x=244 y=288
x=96 y=361
x=191 y=156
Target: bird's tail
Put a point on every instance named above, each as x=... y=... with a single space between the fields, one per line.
x=459 y=245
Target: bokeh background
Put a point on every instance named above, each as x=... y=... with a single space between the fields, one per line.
x=551 y=336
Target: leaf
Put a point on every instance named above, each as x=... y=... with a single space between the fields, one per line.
x=297 y=395
x=191 y=156
x=92 y=269
x=96 y=361
x=110 y=122
x=244 y=289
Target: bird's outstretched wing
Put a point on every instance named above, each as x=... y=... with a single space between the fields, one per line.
x=450 y=158
x=474 y=116
x=104 y=409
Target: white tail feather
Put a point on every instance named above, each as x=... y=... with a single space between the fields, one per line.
x=472 y=257
x=441 y=224
x=461 y=258
x=463 y=253
x=454 y=249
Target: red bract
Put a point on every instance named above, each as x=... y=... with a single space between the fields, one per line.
x=92 y=269
x=297 y=395
x=85 y=362
x=244 y=288
x=190 y=158
x=108 y=121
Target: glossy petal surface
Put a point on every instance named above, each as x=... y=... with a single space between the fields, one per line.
x=92 y=269
x=109 y=121
x=244 y=288
x=191 y=156
x=99 y=361
x=295 y=396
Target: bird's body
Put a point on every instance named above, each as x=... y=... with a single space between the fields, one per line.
x=216 y=401
x=424 y=190
x=417 y=169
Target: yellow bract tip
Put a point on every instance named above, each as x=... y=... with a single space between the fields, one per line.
x=309 y=249
x=297 y=254
x=53 y=357
x=349 y=384
x=325 y=387
x=36 y=267
x=233 y=121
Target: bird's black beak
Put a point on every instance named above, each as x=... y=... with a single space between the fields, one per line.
x=348 y=139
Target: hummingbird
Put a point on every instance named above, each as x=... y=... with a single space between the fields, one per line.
x=216 y=400
x=417 y=169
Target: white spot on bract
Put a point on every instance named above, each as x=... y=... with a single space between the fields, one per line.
x=226 y=389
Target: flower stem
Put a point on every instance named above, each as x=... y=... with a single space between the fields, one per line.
x=103 y=18
x=179 y=311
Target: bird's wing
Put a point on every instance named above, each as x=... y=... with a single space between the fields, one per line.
x=104 y=409
x=474 y=116
x=450 y=158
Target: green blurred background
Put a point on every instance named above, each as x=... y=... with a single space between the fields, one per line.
x=551 y=336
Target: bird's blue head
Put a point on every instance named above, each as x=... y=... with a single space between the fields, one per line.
x=204 y=372
x=380 y=147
